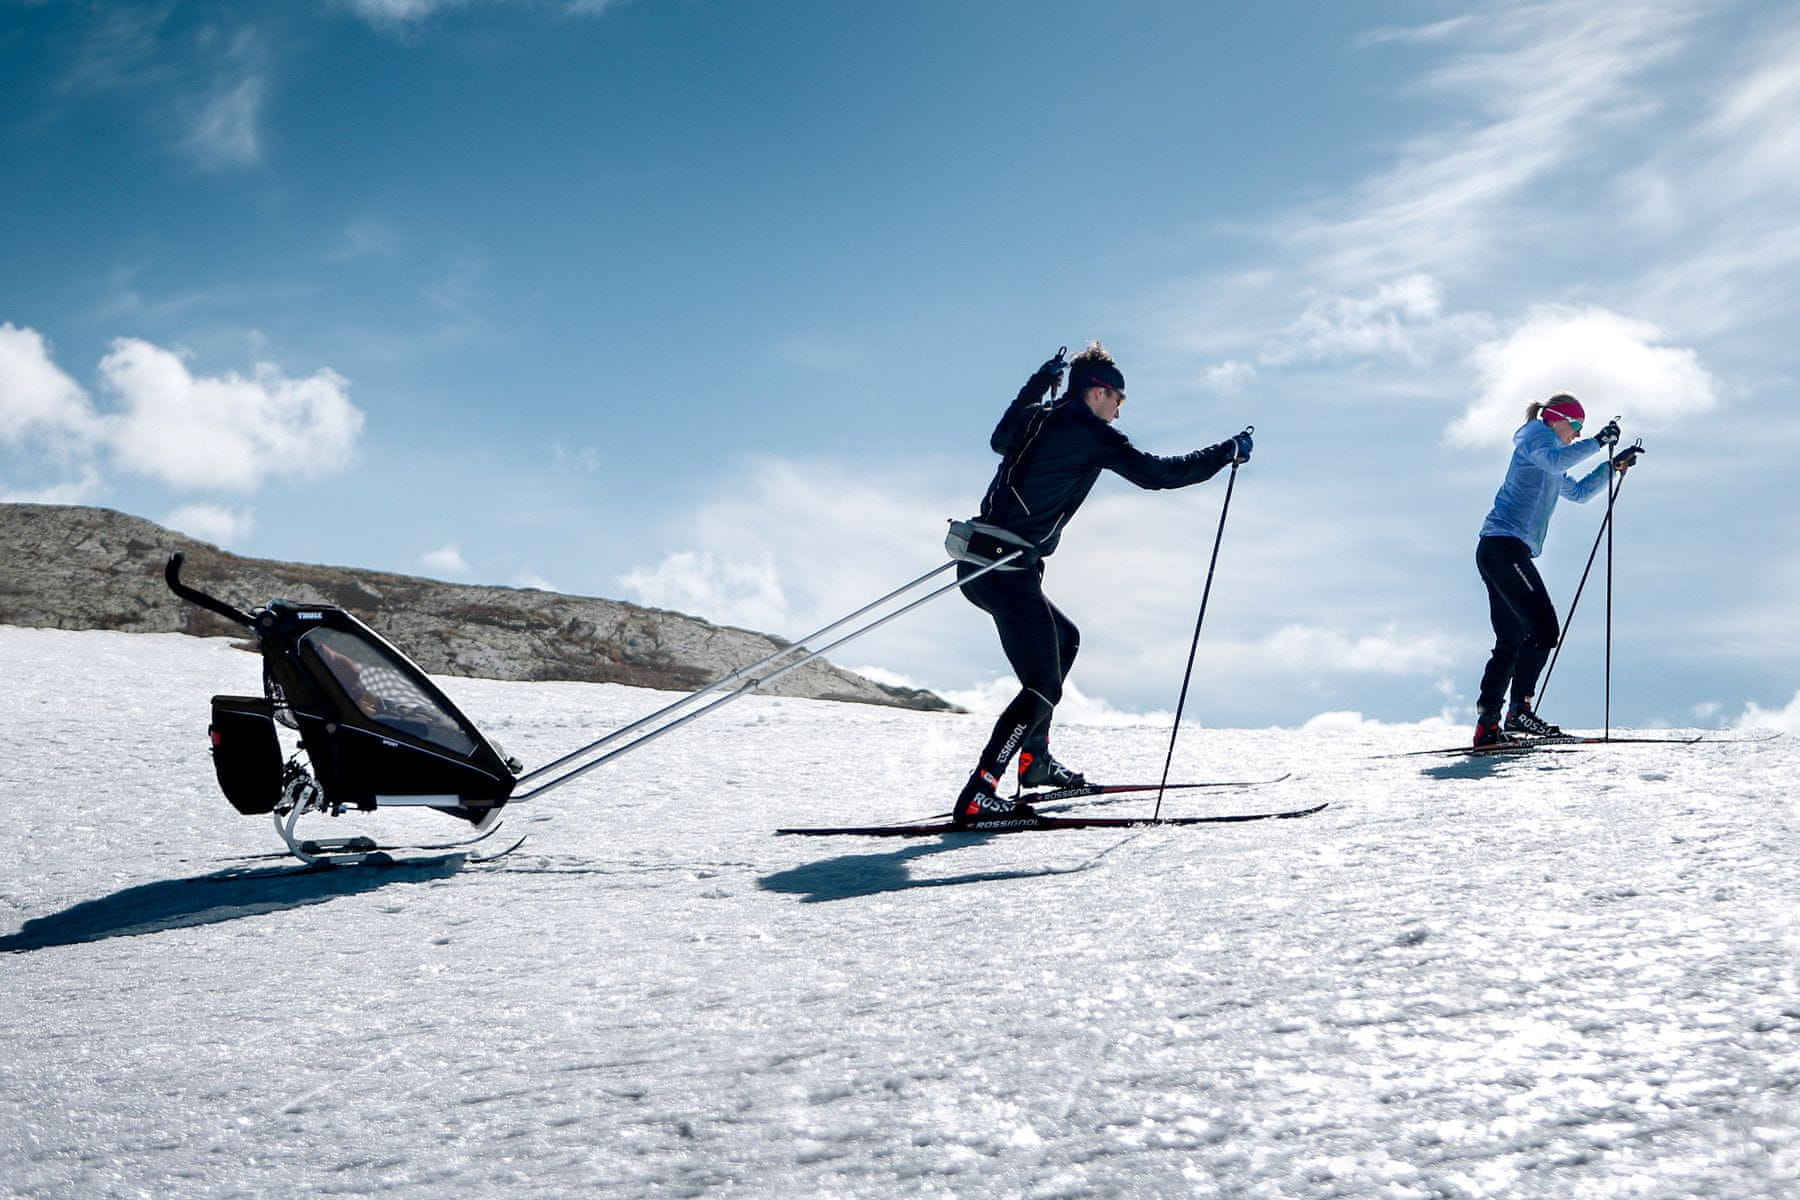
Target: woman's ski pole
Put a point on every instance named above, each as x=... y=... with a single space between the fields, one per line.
x=1613 y=482
x=1612 y=495
x=1205 y=593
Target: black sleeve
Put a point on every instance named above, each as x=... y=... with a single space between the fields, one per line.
x=1018 y=414
x=1154 y=471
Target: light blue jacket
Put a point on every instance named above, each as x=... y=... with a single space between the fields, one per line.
x=1534 y=479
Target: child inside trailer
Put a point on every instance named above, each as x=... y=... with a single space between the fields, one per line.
x=381 y=689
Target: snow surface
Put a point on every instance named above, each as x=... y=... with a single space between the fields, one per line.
x=1563 y=976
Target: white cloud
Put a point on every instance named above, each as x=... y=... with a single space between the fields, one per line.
x=586 y=459
x=445 y=560
x=1402 y=320
x=412 y=12
x=989 y=698
x=1540 y=106
x=36 y=397
x=1399 y=319
x=224 y=131
x=1394 y=650
x=1228 y=378
x=716 y=586
x=793 y=545
x=193 y=433
x=225 y=431
x=401 y=12
x=83 y=490
x=1547 y=82
x=1717 y=197
x=1786 y=719
x=1756 y=110
x=369 y=238
x=813 y=352
x=529 y=578
x=1609 y=362
x=212 y=522
x=1355 y=722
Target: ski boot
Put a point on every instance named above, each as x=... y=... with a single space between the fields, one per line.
x=1042 y=771
x=1488 y=732
x=980 y=804
x=1521 y=719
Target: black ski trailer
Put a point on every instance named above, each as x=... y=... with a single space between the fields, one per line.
x=374 y=730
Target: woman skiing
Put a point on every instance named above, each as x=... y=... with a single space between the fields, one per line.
x=1051 y=452
x=1526 y=628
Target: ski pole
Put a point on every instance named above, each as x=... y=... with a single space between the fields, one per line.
x=1193 y=648
x=1613 y=486
x=1612 y=494
x=733 y=677
x=747 y=687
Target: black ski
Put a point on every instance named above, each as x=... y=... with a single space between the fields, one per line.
x=1115 y=789
x=1040 y=823
x=1558 y=744
x=1085 y=790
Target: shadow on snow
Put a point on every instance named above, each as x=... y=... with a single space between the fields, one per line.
x=210 y=899
x=856 y=875
x=1484 y=766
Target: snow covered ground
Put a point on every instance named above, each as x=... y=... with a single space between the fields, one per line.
x=1562 y=976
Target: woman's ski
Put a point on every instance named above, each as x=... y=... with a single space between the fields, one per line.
x=1565 y=742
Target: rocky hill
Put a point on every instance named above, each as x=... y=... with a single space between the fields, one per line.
x=64 y=567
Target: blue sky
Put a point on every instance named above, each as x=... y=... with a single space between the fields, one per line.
x=712 y=306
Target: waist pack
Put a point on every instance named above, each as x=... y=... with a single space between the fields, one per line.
x=983 y=544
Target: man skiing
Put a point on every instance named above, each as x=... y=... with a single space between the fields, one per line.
x=1052 y=451
x=1526 y=628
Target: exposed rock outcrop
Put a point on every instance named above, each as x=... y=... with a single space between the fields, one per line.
x=64 y=567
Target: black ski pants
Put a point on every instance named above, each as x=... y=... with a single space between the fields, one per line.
x=1040 y=644
x=1525 y=624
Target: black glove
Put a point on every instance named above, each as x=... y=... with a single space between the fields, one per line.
x=1241 y=446
x=1623 y=460
x=1609 y=434
x=1044 y=380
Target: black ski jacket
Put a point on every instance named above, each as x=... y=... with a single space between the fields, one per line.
x=1053 y=452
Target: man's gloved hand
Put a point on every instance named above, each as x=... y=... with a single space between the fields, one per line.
x=1608 y=434
x=1242 y=444
x=1044 y=381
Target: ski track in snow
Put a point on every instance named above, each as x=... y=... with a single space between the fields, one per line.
x=1561 y=976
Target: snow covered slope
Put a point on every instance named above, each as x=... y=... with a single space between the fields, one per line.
x=1562 y=976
